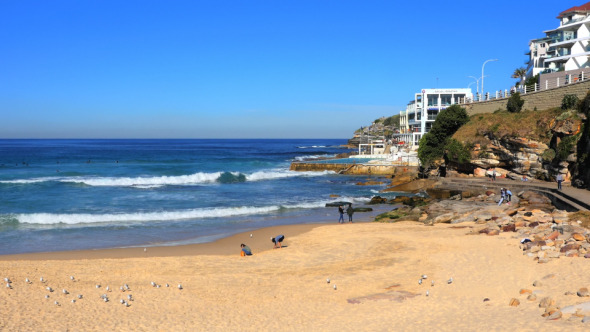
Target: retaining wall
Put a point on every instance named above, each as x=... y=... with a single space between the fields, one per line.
x=540 y=100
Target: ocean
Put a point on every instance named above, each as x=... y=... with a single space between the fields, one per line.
x=88 y=194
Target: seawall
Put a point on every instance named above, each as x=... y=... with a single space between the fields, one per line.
x=540 y=100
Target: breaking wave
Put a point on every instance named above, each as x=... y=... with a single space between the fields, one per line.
x=157 y=181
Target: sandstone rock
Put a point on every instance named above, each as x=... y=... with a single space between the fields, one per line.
x=494 y=232
x=377 y=200
x=554 y=315
x=519 y=224
x=578 y=237
x=445 y=218
x=553 y=236
x=543 y=260
x=577 y=308
x=509 y=228
x=479 y=172
x=532 y=297
x=546 y=302
x=583 y=292
x=514 y=302
x=570 y=247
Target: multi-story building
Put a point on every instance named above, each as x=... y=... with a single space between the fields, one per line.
x=421 y=112
x=565 y=48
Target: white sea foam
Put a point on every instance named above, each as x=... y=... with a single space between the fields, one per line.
x=84 y=218
x=158 y=181
x=87 y=218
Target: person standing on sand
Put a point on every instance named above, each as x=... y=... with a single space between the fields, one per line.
x=341 y=211
x=349 y=211
x=278 y=241
x=245 y=250
x=493 y=174
x=559 y=180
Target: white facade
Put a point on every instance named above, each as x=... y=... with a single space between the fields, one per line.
x=421 y=112
x=565 y=48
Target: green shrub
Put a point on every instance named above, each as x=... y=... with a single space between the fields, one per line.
x=548 y=155
x=457 y=151
x=566 y=146
x=515 y=103
x=569 y=102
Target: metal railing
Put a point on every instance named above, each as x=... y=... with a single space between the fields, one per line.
x=548 y=84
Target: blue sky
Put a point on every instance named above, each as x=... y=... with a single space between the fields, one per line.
x=246 y=69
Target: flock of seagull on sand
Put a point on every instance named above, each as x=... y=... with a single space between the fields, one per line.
x=104 y=297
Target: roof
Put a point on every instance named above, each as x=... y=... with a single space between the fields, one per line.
x=583 y=8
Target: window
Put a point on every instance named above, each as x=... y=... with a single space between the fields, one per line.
x=432 y=100
x=446 y=99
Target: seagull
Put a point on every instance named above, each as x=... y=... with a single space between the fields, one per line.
x=167 y=285
x=65 y=291
x=328 y=280
x=432 y=283
x=56 y=303
x=122 y=288
x=108 y=289
x=73 y=301
x=179 y=286
x=27 y=280
x=335 y=287
x=7 y=280
x=427 y=293
x=450 y=281
x=49 y=289
x=122 y=301
x=41 y=279
x=250 y=235
x=424 y=276
x=8 y=285
x=157 y=286
x=127 y=287
x=106 y=299
x=72 y=278
x=129 y=297
x=80 y=296
x=419 y=281
x=46 y=296
x=153 y=284
x=126 y=304
x=144 y=249
x=97 y=286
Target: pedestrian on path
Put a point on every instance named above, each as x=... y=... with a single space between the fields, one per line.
x=559 y=180
x=341 y=212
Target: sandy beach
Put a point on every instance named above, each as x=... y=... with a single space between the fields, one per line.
x=375 y=268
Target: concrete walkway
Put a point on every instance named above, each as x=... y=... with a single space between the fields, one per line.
x=579 y=199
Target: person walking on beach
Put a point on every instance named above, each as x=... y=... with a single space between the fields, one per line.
x=341 y=211
x=494 y=174
x=349 y=211
x=278 y=241
x=559 y=180
x=246 y=251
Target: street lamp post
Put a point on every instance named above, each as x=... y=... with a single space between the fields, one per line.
x=476 y=82
x=484 y=64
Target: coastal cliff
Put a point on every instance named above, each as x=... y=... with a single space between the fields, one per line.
x=535 y=144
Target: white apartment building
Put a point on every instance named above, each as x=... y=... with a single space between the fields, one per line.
x=565 y=48
x=421 y=112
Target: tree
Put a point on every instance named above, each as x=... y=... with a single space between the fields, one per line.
x=432 y=145
x=515 y=103
x=519 y=73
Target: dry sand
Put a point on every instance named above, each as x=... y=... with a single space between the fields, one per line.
x=371 y=264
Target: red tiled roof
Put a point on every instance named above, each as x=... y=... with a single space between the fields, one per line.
x=583 y=8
